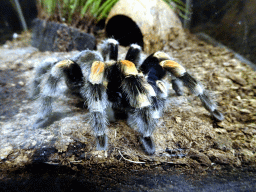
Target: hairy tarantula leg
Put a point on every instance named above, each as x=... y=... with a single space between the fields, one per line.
x=158 y=102
x=73 y=76
x=148 y=144
x=133 y=85
x=109 y=49
x=151 y=67
x=141 y=118
x=134 y=54
x=177 y=85
x=95 y=94
x=180 y=72
x=154 y=75
x=49 y=89
x=40 y=72
x=146 y=124
x=138 y=93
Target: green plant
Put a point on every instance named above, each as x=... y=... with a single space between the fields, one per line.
x=68 y=10
x=98 y=9
x=179 y=7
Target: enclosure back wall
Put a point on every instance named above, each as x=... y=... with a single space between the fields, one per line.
x=231 y=22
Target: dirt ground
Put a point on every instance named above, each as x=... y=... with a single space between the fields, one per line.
x=187 y=135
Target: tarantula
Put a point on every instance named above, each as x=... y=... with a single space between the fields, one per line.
x=107 y=85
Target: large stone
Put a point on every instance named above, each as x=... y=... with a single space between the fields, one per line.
x=51 y=36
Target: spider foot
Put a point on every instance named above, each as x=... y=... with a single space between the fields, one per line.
x=217 y=115
x=148 y=145
x=210 y=106
x=101 y=142
x=40 y=123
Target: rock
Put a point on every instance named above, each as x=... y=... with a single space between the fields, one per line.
x=15 y=54
x=5 y=151
x=51 y=36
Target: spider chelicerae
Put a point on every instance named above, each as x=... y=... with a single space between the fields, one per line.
x=107 y=85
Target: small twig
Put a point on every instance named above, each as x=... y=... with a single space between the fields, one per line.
x=130 y=160
x=76 y=161
x=51 y=163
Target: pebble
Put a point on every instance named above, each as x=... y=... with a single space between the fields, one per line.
x=21 y=83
